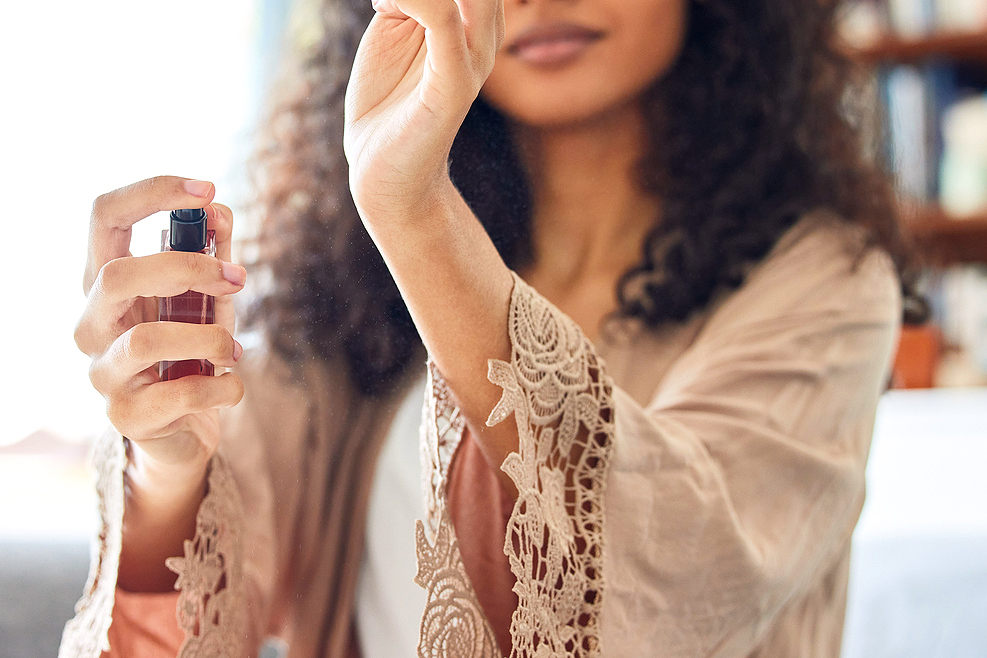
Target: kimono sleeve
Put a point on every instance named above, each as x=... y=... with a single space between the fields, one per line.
x=739 y=485
x=226 y=575
x=681 y=528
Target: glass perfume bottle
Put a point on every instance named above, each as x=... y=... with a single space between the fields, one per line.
x=187 y=232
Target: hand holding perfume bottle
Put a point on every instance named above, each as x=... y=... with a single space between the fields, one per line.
x=169 y=413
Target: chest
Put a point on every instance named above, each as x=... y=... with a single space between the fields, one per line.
x=637 y=357
x=588 y=299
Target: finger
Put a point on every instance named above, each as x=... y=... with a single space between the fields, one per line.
x=149 y=412
x=387 y=8
x=445 y=35
x=192 y=438
x=115 y=213
x=500 y=26
x=219 y=218
x=145 y=344
x=167 y=274
x=484 y=24
x=121 y=281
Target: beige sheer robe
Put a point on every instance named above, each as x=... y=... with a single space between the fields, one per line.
x=686 y=493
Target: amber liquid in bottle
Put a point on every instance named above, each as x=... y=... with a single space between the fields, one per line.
x=193 y=307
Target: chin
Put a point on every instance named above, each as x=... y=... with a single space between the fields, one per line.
x=581 y=95
x=555 y=111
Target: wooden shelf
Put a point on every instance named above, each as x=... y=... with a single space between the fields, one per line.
x=969 y=47
x=943 y=240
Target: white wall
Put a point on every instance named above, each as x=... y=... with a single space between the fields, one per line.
x=94 y=95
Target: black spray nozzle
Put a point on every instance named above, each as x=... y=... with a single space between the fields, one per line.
x=187 y=230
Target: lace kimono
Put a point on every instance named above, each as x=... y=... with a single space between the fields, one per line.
x=685 y=493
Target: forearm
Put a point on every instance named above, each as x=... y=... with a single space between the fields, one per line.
x=159 y=515
x=458 y=291
x=419 y=67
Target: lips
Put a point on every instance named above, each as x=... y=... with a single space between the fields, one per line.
x=553 y=45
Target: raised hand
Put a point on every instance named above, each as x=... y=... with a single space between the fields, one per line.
x=419 y=67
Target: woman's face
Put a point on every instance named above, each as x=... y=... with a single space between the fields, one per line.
x=569 y=61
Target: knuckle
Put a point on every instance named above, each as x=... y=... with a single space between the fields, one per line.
x=220 y=339
x=152 y=192
x=160 y=185
x=236 y=389
x=159 y=405
x=190 y=264
x=96 y=375
x=138 y=342
x=192 y=395
x=100 y=205
x=81 y=336
x=119 y=413
x=109 y=275
x=146 y=187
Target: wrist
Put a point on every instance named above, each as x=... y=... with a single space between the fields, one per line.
x=159 y=491
x=407 y=204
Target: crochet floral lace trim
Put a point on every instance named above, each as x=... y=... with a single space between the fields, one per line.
x=86 y=634
x=561 y=398
x=453 y=624
x=211 y=605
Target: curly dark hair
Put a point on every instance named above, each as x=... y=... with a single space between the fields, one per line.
x=752 y=128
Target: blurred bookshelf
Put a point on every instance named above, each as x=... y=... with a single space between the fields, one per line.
x=967 y=47
x=945 y=241
x=929 y=64
x=942 y=238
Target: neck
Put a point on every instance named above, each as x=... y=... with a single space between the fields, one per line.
x=590 y=217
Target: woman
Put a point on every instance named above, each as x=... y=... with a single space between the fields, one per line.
x=692 y=353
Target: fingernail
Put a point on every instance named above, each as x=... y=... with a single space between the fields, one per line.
x=237 y=350
x=198 y=187
x=234 y=273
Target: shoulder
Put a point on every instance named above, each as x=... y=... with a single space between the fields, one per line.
x=822 y=266
x=819 y=316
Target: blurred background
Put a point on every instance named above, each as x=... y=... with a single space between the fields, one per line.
x=100 y=94
x=95 y=95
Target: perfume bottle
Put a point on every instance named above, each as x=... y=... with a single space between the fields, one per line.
x=187 y=232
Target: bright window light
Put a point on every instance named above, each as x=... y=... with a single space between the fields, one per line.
x=96 y=95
